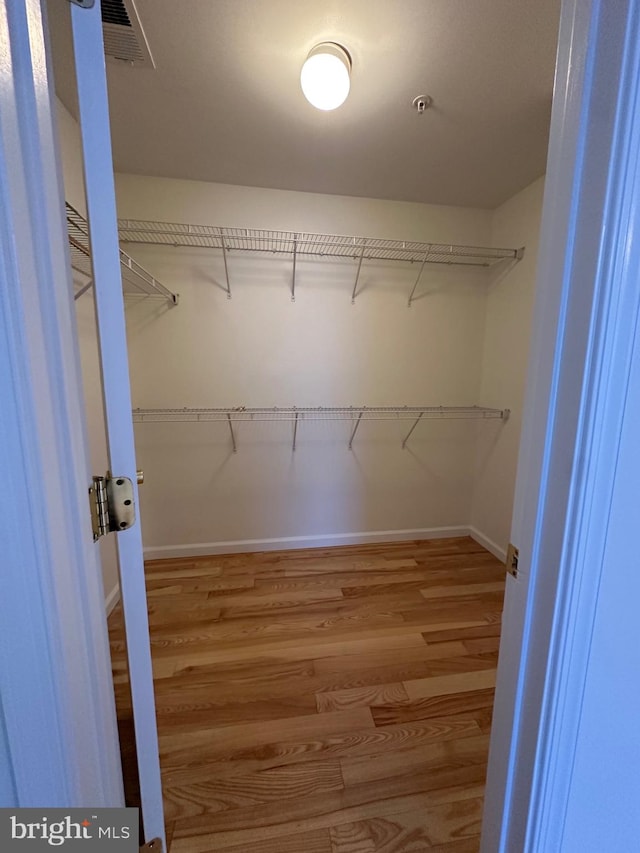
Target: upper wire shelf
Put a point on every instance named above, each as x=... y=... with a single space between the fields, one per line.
x=323 y=413
x=296 y=244
x=136 y=281
x=356 y=414
x=286 y=242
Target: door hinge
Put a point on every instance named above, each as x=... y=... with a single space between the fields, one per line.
x=112 y=505
x=512 y=560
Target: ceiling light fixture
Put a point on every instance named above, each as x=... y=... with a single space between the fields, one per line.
x=326 y=76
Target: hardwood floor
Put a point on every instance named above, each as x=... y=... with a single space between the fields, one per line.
x=323 y=701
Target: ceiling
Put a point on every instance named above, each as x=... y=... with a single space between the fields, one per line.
x=224 y=101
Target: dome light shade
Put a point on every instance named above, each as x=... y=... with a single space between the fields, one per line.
x=326 y=76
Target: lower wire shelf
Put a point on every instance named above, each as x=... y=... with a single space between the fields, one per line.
x=294 y=414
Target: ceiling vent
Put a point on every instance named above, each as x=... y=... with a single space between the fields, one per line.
x=124 y=38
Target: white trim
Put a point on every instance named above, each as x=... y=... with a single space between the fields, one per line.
x=112 y=599
x=55 y=673
x=291 y=543
x=489 y=544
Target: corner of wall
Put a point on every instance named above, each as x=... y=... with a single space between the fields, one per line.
x=504 y=366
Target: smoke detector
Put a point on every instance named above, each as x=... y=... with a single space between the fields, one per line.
x=124 y=38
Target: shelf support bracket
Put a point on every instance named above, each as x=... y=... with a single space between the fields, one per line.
x=233 y=437
x=295 y=432
x=293 y=280
x=415 y=424
x=83 y=289
x=355 y=430
x=355 y=284
x=417 y=282
x=226 y=266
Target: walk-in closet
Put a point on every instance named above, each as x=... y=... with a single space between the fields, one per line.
x=328 y=317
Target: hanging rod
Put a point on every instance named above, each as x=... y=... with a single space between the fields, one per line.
x=356 y=414
x=296 y=244
x=135 y=279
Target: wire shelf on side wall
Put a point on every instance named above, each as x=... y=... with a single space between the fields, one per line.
x=136 y=281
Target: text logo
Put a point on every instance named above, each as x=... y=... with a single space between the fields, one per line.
x=35 y=830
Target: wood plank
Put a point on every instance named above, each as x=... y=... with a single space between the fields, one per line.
x=212 y=586
x=186 y=715
x=474 y=589
x=468 y=702
x=425 y=758
x=463 y=682
x=482 y=608
x=346 y=580
x=162 y=589
x=360 y=697
x=212 y=794
x=482 y=645
x=458 y=580
x=199 y=745
x=346 y=662
x=257 y=672
x=179 y=572
x=318 y=841
x=305 y=568
x=239 y=606
x=403 y=833
x=405 y=670
x=352 y=838
x=461 y=633
x=293 y=649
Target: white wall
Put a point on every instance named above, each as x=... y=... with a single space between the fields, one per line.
x=260 y=349
x=505 y=355
x=71 y=153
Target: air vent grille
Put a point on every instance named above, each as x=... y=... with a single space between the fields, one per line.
x=114 y=12
x=124 y=38
x=121 y=43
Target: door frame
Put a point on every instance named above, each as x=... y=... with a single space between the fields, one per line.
x=585 y=318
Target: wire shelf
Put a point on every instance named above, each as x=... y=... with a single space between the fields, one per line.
x=318 y=413
x=295 y=415
x=136 y=281
x=303 y=243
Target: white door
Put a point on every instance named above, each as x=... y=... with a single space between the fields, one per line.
x=58 y=735
x=102 y=218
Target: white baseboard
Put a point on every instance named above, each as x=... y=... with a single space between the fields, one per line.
x=489 y=544
x=290 y=543
x=112 y=599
